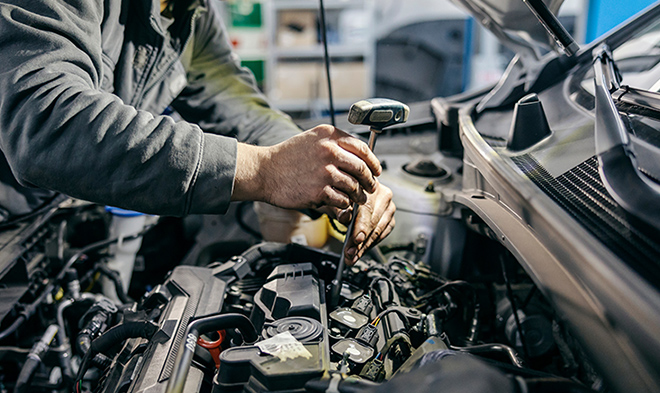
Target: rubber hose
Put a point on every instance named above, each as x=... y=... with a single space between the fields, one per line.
x=34 y=359
x=25 y=376
x=119 y=333
x=12 y=328
x=116 y=280
x=197 y=327
x=264 y=250
x=114 y=336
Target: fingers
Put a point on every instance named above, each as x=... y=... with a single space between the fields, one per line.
x=375 y=220
x=360 y=150
x=380 y=229
x=354 y=157
x=376 y=237
x=347 y=184
x=331 y=197
x=357 y=169
x=320 y=167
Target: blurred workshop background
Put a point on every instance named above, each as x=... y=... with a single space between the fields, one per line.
x=406 y=50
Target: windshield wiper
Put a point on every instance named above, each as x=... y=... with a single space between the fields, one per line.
x=638 y=101
x=631 y=189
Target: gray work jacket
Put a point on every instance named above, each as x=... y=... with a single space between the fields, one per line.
x=83 y=84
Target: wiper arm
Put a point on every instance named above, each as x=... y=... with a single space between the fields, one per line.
x=618 y=170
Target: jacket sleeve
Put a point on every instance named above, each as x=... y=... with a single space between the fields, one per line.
x=59 y=131
x=221 y=96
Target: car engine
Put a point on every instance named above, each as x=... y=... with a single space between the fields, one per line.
x=262 y=320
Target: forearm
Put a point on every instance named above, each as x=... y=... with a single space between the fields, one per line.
x=248 y=183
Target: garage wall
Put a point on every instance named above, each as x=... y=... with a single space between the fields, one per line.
x=604 y=15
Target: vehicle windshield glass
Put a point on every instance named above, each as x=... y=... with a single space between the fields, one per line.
x=637 y=59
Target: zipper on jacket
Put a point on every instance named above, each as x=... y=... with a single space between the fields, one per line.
x=161 y=77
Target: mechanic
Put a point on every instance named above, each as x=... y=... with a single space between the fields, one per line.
x=83 y=85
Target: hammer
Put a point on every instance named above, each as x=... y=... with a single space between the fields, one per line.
x=377 y=113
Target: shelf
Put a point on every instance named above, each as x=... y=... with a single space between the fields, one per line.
x=317 y=51
x=314 y=5
x=251 y=54
x=303 y=105
x=295 y=77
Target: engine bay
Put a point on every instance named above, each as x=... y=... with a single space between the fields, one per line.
x=264 y=321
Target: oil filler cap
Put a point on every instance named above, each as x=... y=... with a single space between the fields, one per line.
x=304 y=329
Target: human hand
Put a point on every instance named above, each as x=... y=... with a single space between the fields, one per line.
x=375 y=220
x=323 y=166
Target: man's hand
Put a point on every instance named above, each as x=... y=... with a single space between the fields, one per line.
x=375 y=220
x=320 y=167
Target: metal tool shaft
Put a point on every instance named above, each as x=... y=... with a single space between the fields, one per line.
x=336 y=283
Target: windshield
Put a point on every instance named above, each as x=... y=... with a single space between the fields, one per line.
x=638 y=62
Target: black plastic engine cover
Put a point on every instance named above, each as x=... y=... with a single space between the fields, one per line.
x=189 y=292
x=292 y=300
x=290 y=290
x=247 y=369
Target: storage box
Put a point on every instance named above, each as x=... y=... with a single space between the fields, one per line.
x=296 y=81
x=296 y=29
x=349 y=80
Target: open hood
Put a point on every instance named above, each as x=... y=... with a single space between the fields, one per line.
x=532 y=30
x=514 y=24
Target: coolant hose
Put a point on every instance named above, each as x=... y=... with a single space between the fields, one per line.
x=203 y=325
x=34 y=359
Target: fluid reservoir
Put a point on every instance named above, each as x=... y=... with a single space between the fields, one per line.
x=424 y=214
x=124 y=223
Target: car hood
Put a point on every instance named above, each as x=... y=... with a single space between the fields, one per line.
x=514 y=24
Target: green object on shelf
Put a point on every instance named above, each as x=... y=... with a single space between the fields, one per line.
x=257 y=67
x=245 y=13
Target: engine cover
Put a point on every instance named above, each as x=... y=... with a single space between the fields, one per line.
x=290 y=290
x=146 y=366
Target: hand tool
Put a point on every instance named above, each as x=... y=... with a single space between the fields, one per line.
x=377 y=113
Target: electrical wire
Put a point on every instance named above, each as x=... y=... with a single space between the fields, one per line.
x=381 y=278
x=383 y=313
x=15 y=350
x=407 y=266
x=514 y=307
x=114 y=276
x=31 y=308
x=326 y=59
x=399 y=336
x=443 y=288
x=44 y=207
